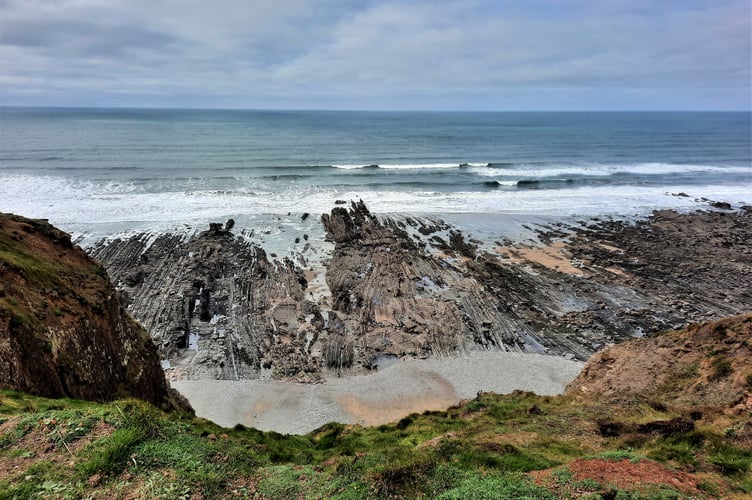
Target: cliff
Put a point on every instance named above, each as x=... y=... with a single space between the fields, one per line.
x=62 y=330
x=703 y=365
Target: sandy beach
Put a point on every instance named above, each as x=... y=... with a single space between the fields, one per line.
x=405 y=387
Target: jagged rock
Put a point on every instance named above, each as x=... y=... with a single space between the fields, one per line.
x=62 y=330
x=218 y=308
x=214 y=304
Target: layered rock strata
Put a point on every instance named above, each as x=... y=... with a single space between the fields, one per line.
x=218 y=307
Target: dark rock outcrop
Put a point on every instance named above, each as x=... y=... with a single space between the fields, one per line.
x=218 y=307
x=396 y=298
x=62 y=330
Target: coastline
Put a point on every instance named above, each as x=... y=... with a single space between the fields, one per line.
x=508 y=289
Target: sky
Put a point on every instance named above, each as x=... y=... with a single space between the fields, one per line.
x=378 y=55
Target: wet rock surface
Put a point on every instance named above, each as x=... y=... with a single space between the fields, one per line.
x=391 y=287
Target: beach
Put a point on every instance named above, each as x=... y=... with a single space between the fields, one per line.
x=408 y=386
x=368 y=322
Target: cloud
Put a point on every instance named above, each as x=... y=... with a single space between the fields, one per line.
x=373 y=54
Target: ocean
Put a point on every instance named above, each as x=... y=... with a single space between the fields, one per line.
x=99 y=171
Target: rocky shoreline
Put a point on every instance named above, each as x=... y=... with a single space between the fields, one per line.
x=371 y=289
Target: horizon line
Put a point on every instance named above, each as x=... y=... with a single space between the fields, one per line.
x=356 y=110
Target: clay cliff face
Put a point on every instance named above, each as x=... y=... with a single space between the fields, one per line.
x=62 y=330
x=706 y=365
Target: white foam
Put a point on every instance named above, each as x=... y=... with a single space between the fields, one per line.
x=406 y=166
x=350 y=167
x=83 y=207
x=425 y=166
x=599 y=169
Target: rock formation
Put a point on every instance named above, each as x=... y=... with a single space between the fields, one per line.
x=215 y=305
x=62 y=330
x=218 y=307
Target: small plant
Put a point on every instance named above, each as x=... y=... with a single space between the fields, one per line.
x=707 y=487
x=721 y=368
x=618 y=455
x=588 y=484
x=58 y=311
x=17 y=321
x=730 y=459
x=562 y=476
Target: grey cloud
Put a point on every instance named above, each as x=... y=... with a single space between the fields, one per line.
x=83 y=38
x=376 y=54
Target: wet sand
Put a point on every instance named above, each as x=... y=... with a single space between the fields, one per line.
x=408 y=386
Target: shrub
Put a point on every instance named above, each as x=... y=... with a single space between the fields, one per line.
x=721 y=368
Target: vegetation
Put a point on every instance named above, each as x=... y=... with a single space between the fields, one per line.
x=514 y=446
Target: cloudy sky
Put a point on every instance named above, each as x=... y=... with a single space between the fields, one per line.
x=362 y=54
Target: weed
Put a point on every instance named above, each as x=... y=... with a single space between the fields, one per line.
x=491 y=487
x=731 y=460
x=587 y=484
x=680 y=452
x=721 y=368
x=562 y=476
x=113 y=455
x=708 y=487
x=160 y=485
x=617 y=455
x=17 y=321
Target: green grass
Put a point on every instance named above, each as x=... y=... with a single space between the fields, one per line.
x=730 y=459
x=512 y=487
x=460 y=453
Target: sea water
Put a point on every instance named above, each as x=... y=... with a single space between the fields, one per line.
x=109 y=170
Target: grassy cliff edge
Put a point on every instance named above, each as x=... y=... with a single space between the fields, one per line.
x=620 y=444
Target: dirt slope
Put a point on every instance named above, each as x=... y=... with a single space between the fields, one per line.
x=707 y=365
x=62 y=330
